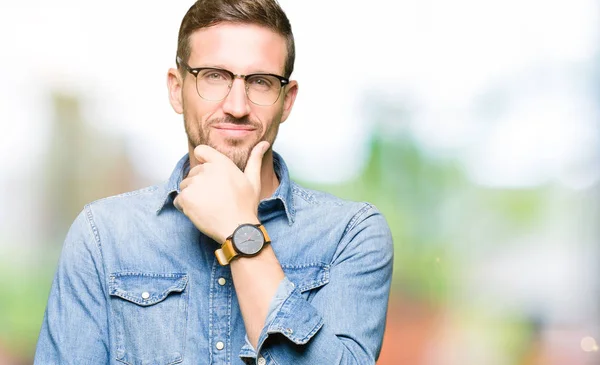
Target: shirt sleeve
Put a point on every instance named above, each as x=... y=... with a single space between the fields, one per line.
x=75 y=327
x=345 y=320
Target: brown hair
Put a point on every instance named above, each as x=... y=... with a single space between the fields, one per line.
x=206 y=13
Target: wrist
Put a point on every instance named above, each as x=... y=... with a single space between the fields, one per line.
x=247 y=240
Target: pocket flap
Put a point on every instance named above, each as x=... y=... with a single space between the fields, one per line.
x=146 y=288
x=307 y=277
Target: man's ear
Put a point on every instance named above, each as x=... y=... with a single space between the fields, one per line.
x=175 y=86
x=290 y=92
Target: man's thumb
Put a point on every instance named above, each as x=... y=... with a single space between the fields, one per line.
x=254 y=165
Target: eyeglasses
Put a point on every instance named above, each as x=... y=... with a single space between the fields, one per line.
x=214 y=84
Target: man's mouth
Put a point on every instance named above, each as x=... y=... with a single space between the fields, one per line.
x=234 y=130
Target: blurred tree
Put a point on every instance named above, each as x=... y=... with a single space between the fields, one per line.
x=437 y=218
x=83 y=164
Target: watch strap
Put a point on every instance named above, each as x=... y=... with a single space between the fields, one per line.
x=226 y=253
x=264 y=232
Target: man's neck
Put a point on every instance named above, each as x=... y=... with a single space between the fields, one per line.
x=268 y=177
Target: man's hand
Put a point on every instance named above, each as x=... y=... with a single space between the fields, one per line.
x=216 y=196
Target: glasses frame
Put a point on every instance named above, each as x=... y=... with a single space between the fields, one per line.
x=195 y=71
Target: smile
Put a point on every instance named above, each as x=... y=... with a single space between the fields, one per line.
x=234 y=130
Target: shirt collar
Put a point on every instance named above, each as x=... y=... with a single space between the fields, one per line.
x=281 y=198
x=172 y=185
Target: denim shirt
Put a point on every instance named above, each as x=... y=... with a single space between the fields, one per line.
x=137 y=283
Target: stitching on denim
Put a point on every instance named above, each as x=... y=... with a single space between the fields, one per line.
x=186 y=311
x=148 y=189
x=299 y=340
x=210 y=310
x=229 y=301
x=116 y=291
x=106 y=290
x=322 y=275
x=311 y=198
x=355 y=218
x=177 y=361
x=285 y=311
x=303 y=266
x=179 y=288
x=270 y=356
x=178 y=275
x=123 y=360
x=303 y=193
x=293 y=206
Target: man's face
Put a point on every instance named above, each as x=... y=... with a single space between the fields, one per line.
x=234 y=125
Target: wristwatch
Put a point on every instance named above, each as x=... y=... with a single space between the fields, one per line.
x=247 y=240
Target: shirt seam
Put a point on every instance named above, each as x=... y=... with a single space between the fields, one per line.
x=352 y=223
x=148 y=189
x=311 y=198
x=98 y=242
x=356 y=218
x=270 y=356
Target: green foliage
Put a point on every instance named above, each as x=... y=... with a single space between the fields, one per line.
x=23 y=297
x=432 y=210
x=407 y=187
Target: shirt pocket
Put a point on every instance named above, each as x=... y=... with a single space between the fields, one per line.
x=308 y=278
x=150 y=317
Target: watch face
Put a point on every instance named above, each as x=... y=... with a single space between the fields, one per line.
x=248 y=239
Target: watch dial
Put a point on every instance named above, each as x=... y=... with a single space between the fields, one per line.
x=248 y=239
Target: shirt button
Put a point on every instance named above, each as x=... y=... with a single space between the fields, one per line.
x=222 y=281
x=145 y=295
x=261 y=361
x=220 y=345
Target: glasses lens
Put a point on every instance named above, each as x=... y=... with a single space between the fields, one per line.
x=263 y=89
x=213 y=84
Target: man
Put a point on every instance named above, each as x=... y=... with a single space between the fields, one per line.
x=228 y=262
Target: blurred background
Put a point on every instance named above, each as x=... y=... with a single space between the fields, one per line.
x=473 y=125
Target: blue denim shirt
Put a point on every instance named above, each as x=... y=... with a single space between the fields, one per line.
x=138 y=284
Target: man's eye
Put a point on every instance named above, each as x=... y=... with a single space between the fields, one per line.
x=261 y=81
x=215 y=76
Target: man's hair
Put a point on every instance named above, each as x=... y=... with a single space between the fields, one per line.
x=206 y=13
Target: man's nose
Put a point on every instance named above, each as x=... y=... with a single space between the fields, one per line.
x=236 y=103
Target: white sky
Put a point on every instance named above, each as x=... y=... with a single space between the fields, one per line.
x=442 y=56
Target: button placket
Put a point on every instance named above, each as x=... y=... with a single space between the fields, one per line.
x=221 y=292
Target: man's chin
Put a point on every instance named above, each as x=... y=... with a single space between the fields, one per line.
x=237 y=154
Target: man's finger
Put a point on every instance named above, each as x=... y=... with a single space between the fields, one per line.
x=184 y=183
x=177 y=205
x=254 y=165
x=195 y=170
x=204 y=153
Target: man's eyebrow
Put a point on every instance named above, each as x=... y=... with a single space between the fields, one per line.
x=210 y=66
x=222 y=67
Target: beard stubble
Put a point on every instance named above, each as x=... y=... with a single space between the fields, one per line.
x=233 y=148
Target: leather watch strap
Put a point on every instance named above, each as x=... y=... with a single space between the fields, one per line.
x=226 y=253
x=264 y=232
